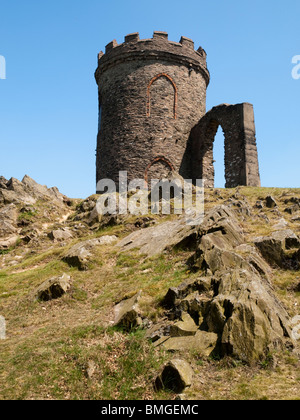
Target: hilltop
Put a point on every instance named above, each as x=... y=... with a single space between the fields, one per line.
x=99 y=307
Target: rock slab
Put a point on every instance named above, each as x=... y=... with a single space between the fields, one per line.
x=53 y=288
x=177 y=375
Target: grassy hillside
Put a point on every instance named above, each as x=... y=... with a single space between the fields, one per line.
x=69 y=349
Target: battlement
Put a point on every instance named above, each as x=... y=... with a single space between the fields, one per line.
x=159 y=48
x=157 y=36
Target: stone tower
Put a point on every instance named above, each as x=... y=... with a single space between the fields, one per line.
x=152 y=114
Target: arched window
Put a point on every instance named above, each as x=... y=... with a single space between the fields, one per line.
x=159 y=168
x=162 y=97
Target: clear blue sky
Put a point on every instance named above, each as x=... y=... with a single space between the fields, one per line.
x=48 y=103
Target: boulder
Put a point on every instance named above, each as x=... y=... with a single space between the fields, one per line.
x=60 y=235
x=224 y=234
x=273 y=247
x=31 y=235
x=116 y=203
x=211 y=257
x=53 y=288
x=270 y=202
x=9 y=212
x=294 y=200
x=88 y=205
x=196 y=305
x=237 y=305
x=127 y=313
x=281 y=224
x=174 y=293
x=292 y=209
x=158 y=330
x=79 y=255
x=176 y=376
x=259 y=204
x=155 y=240
x=203 y=342
x=288 y=238
x=239 y=206
x=185 y=327
x=94 y=216
x=9 y=242
x=247 y=316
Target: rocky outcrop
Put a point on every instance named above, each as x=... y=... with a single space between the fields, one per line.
x=219 y=222
x=24 y=202
x=246 y=315
x=236 y=314
x=28 y=192
x=232 y=309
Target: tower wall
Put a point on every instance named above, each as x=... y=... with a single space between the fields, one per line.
x=151 y=94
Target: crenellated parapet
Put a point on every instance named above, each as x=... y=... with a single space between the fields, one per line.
x=159 y=48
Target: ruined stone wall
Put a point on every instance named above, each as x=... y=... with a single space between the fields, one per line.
x=241 y=159
x=151 y=94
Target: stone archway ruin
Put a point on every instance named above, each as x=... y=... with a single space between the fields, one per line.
x=241 y=160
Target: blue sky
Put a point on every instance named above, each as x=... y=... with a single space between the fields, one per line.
x=48 y=102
